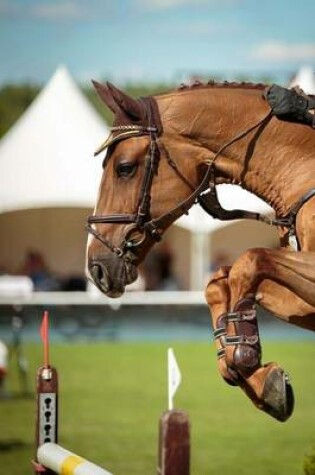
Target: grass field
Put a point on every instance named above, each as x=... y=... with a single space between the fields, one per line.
x=111 y=397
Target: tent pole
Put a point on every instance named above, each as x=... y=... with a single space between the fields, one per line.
x=199 y=260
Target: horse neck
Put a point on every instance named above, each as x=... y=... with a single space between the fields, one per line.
x=215 y=115
x=212 y=114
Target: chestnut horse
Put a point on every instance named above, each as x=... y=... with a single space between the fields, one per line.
x=162 y=155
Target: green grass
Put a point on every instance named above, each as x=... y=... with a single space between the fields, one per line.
x=111 y=397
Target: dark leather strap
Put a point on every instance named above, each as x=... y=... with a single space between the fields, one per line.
x=289 y=221
x=112 y=218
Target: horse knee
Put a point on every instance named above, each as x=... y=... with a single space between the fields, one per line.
x=250 y=269
x=217 y=287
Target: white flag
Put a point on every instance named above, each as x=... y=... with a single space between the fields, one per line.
x=174 y=377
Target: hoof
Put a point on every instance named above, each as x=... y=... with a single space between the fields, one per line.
x=230 y=382
x=278 y=395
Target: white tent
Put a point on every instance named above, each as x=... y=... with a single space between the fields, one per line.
x=49 y=178
x=46 y=159
x=305 y=79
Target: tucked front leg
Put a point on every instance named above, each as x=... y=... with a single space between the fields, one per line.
x=239 y=352
x=283 y=282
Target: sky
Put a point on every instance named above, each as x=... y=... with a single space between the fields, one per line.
x=154 y=40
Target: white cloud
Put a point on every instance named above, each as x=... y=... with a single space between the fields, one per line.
x=165 y=4
x=54 y=10
x=200 y=28
x=283 y=52
x=168 y=4
x=58 y=10
x=7 y=8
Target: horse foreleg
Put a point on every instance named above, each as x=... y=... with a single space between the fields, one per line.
x=238 y=345
x=238 y=348
x=235 y=333
x=284 y=283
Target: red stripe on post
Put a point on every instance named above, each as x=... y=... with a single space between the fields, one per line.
x=44 y=333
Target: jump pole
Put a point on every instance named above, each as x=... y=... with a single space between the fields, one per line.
x=174 y=430
x=63 y=462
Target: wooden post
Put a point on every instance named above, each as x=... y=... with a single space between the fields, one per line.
x=47 y=410
x=174 y=443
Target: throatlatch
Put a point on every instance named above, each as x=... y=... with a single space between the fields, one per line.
x=238 y=331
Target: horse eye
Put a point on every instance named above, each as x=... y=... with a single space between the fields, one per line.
x=126 y=169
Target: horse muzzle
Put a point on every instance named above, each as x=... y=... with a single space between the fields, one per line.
x=111 y=274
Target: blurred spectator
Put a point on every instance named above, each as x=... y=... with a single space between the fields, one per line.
x=74 y=283
x=3 y=367
x=36 y=268
x=16 y=348
x=157 y=269
x=3 y=270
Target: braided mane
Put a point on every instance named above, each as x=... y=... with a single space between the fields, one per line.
x=225 y=84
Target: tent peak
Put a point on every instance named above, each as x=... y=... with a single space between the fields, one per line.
x=61 y=79
x=52 y=144
x=304 y=78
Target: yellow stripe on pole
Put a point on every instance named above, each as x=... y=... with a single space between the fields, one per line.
x=69 y=465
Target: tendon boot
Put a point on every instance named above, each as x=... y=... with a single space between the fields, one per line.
x=267 y=386
x=242 y=340
x=238 y=336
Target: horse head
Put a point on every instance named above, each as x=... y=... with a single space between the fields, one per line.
x=142 y=190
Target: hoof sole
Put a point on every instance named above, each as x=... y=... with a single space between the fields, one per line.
x=278 y=395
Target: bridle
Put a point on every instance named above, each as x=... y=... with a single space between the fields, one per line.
x=141 y=221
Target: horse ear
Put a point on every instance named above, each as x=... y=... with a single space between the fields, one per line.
x=106 y=96
x=131 y=107
x=119 y=102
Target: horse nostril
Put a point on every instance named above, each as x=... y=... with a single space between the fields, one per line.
x=99 y=275
x=109 y=274
x=97 y=272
